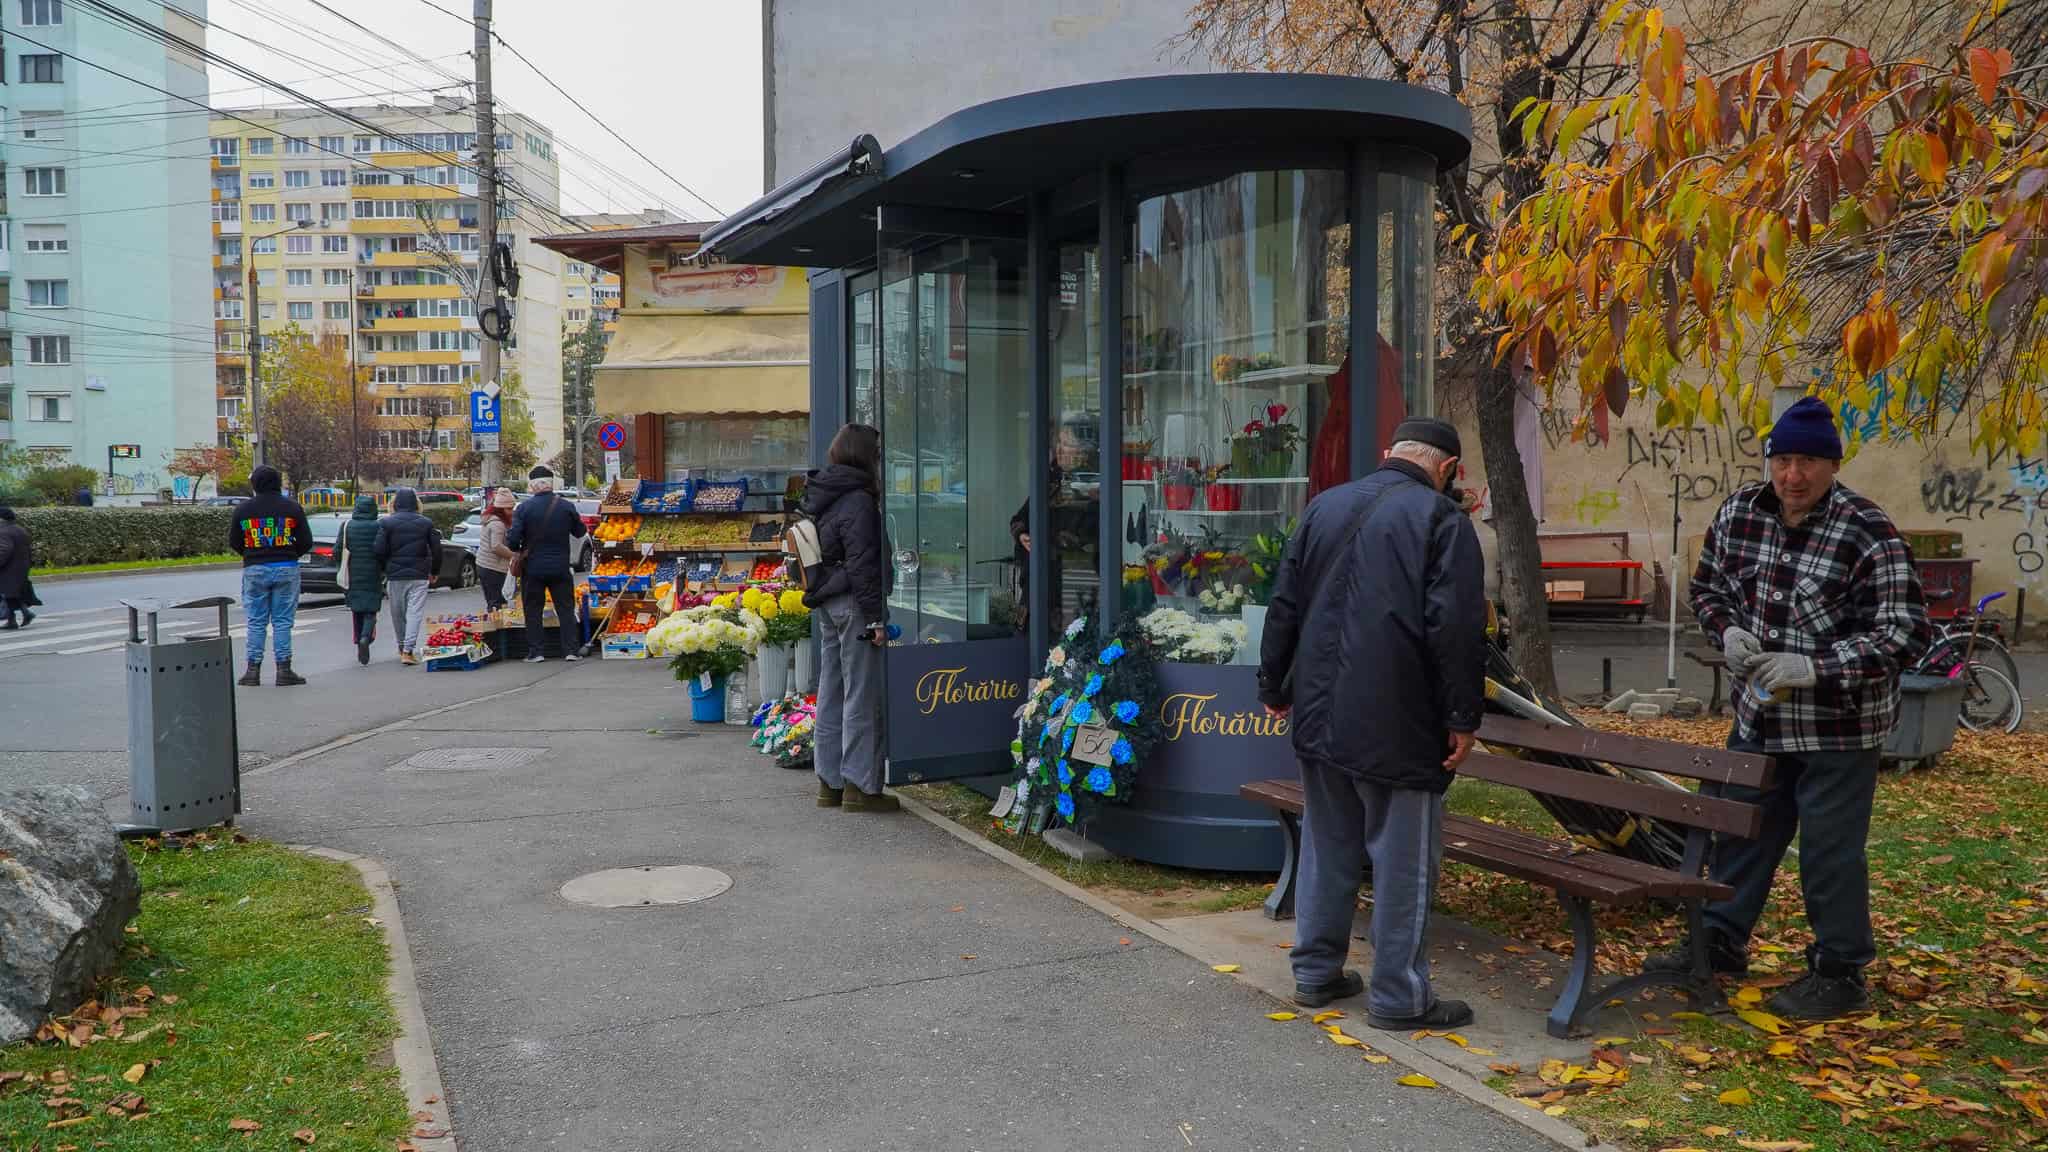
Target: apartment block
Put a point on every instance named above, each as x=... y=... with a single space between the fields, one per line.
x=370 y=239
x=105 y=337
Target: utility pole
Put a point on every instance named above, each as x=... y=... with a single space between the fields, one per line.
x=487 y=214
x=259 y=445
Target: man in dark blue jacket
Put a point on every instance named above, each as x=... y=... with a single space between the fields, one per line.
x=269 y=532
x=1375 y=648
x=409 y=551
x=541 y=529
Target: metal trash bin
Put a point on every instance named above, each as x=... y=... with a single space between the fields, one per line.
x=184 y=766
x=1929 y=707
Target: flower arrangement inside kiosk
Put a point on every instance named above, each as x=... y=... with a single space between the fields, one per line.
x=1265 y=448
x=1085 y=728
x=714 y=640
x=1184 y=639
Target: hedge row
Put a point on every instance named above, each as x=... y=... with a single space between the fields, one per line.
x=67 y=536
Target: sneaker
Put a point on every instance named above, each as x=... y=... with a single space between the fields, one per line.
x=854 y=800
x=1442 y=1014
x=252 y=677
x=27 y=617
x=1819 y=997
x=1722 y=960
x=536 y=658
x=362 y=651
x=9 y=626
x=828 y=796
x=1316 y=995
x=572 y=657
x=408 y=659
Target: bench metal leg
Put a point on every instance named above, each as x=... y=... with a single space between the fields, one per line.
x=1577 y=999
x=1280 y=905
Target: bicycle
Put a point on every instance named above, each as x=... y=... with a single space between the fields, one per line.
x=1990 y=643
x=1991 y=698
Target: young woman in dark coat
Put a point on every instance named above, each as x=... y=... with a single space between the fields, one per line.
x=365 y=573
x=851 y=608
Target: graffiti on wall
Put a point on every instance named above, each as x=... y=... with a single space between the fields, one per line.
x=1705 y=462
x=2014 y=498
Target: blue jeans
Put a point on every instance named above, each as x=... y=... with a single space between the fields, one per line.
x=270 y=600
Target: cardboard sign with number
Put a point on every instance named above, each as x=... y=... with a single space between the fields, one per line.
x=1092 y=744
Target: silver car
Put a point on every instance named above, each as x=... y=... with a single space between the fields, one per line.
x=469 y=535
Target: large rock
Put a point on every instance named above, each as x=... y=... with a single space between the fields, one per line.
x=67 y=889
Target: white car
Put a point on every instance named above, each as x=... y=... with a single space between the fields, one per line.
x=469 y=535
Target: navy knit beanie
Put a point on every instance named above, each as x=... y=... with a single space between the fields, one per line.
x=1806 y=429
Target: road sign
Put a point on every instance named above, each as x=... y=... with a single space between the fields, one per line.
x=124 y=451
x=612 y=435
x=483 y=416
x=484 y=441
x=611 y=466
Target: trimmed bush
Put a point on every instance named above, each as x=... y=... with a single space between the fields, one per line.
x=66 y=536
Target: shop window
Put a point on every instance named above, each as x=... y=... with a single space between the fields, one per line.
x=764 y=449
x=1235 y=403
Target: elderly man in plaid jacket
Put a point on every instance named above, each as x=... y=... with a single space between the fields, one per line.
x=1811 y=594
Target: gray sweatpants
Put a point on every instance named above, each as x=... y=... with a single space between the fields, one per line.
x=1345 y=819
x=408 y=611
x=848 y=729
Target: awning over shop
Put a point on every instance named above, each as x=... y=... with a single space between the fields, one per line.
x=706 y=364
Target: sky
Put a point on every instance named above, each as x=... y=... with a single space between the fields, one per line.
x=679 y=79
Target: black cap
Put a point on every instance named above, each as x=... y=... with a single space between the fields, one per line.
x=540 y=472
x=1438 y=434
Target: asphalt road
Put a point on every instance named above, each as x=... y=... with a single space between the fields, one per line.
x=63 y=705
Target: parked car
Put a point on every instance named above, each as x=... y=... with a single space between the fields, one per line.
x=223 y=501
x=317 y=570
x=439 y=496
x=469 y=534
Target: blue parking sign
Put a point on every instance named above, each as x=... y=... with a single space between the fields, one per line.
x=483 y=413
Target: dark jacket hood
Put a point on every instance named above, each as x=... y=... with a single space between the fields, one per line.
x=366 y=508
x=406 y=501
x=827 y=485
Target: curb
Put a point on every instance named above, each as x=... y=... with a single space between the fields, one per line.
x=68 y=577
x=1404 y=1051
x=419 y=1075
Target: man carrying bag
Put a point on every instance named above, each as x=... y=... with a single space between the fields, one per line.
x=540 y=536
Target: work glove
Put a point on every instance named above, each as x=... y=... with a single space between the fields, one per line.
x=1783 y=671
x=1742 y=650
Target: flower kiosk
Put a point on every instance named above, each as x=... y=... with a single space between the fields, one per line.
x=1116 y=336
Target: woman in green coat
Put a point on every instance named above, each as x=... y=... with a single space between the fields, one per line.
x=365 y=575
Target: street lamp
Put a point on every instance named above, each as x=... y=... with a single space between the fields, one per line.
x=256 y=342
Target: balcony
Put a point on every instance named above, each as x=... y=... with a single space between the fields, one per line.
x=412 y=292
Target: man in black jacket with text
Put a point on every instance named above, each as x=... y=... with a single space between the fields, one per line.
x=1375 y=649
x=269 y=532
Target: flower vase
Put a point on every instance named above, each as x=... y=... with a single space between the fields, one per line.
x=1243 y=460
x=804 y=671
x=1223 y=497
x=774 y=671
x=707 y=702
x=1254 y=617
x=739 y=703
x=1178 y=497
x=1274 y=465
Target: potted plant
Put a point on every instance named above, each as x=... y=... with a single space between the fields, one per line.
x=788 y=626
x=1222 y=495
x=1177 y=485
x=1265 y=448
x=704 y=647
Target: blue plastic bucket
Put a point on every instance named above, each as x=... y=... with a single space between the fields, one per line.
x=707 y=705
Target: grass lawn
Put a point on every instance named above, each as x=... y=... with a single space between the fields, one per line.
x=252 y=993
x=138 y=565
x=1954 y=1054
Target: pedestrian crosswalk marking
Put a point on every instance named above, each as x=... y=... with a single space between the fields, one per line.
x=111 y=631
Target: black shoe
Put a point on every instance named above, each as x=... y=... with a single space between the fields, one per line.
x=286 y=678
x=27 y=617
x=9 y=626
x=1442 y=1014
x=253 y=677
x=1821 y=997
x=362 y=651
x=1342 y=988
x=1722 y=960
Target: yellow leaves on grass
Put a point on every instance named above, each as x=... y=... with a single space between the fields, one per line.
x=135 y=1073
x=1736 y=1097
x=1761 y=1021
x=1775 y=1145
x=1416 y=1080
x=240 y=1125
x=1749 y=994
x=1639 y=1122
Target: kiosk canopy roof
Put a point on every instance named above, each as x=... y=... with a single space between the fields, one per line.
x=991 y=156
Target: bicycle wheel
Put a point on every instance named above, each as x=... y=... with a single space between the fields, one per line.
x=1993 y=651
x=1991 y=702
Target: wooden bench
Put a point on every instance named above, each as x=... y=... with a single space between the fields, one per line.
x=1717 y=664
x=1580 y=876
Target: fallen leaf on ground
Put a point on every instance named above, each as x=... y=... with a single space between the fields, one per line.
x=1638 y=1122
x=1280 y=1015
x=1610 y=1041
x=1695 y=1056
x=139 y=1037
x=1505 y=1069
x=1373 y=1057
x=75 y=1120
x=1688 y=1015
x=1223 y=968
x=240 y=1125
x=1715 y=1130
x=1454 y=1038
x=1735 y=1096
x=1775 y=1145
x=1124 y=940
x=1749 y=994
x=135 y=1073
x=1762 y=1021
x=1939 y=860
x=317 y=1037
x=1517 y=949
x=968 y=956
x=305 y=1136
x=1417 y=1080
x=1343 y=1041
x=1784 y=1048
x=1554 y=1110
x=1332 y=1014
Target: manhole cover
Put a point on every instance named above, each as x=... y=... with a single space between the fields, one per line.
x=634 y=887
x=470 y=759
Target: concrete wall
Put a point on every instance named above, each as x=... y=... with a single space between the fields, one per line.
x=1618 y=475
x=836 y=70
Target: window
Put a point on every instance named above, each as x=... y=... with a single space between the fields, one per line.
x=266 y=277
x=49 y=408
x=41 y=13
x=46 y=238
x=228 y=408
x=297 y=146
x=226 y=149
x=298 y=277
x=43 y=181
x=267 y=312
x=336 y=309
x=373 y=179
x=230 y=213
x=262 y=179
x=334 y=244
x=299 y=310
x=263 y=214
x=334 y=212
x=49 y=349
x=6 y=405
x=227 y=309
x=262 y=245
x=362 y=144
x=298 y=178
x=299 y=245
x=42 y=127
x=262 y=145
x=42 y=68
x=333 y=277
x=577 y=316
x=298 y=212
x=334 y=177
x=49 y=293
x=333 y=145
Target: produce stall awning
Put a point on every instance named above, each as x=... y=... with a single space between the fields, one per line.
x=707 y=365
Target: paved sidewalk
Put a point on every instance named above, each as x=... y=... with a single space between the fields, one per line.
x=866 y=983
